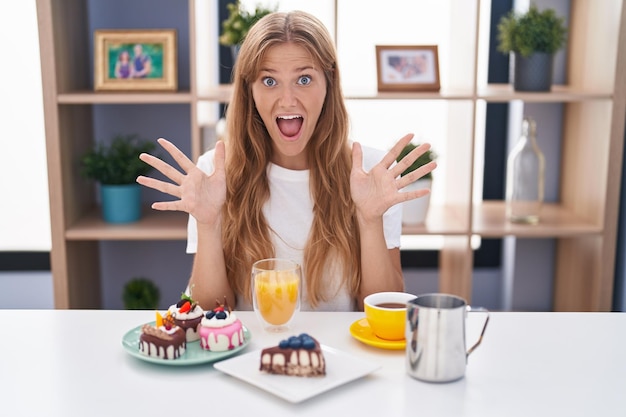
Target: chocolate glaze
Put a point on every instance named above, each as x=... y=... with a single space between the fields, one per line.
x=189 y=324
x=288 y=367
x=177 y=340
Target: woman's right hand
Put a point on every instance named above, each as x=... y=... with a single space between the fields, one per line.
x=199 y=194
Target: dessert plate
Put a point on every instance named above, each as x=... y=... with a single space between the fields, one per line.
x=193 y=355
x=362 y=332
x=341 y=368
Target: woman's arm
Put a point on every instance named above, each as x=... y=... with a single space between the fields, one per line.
x=202 y=196
x=380 y=267
x=373 y=193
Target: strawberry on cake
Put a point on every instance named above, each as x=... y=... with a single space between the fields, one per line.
x=187 y=314
x=164 y=340
x=220 y=329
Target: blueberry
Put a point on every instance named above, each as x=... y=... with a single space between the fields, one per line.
x=221 y=315
x=209 y=315
x=308 y=343
x=295 y=343
x=284 y=344
x=180 y=303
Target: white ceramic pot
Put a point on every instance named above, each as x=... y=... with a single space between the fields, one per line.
x=415 y=211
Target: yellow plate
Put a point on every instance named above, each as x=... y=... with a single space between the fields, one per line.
x=362 y=332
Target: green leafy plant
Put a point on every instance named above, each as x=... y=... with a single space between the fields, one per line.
x=141 y=294
x=239 y=21
x=423 y=159
x=533 y=31
x=117 y=163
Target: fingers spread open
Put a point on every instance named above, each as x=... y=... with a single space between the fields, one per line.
x=181 y=159
x=391 y=156
x=357 y=157
x=164 y=187
x=415 y=175
x=411 y=157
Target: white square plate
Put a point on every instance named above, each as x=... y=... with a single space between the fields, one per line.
x=341 y=368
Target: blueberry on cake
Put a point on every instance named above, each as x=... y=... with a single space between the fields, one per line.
x=296 y=356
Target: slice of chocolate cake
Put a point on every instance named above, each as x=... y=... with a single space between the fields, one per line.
x=164 y=340
x=297 y=356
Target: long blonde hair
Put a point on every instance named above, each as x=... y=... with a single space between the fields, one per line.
x=334 y=232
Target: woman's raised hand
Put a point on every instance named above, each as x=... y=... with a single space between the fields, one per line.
x=197 y=193
x=376 y=191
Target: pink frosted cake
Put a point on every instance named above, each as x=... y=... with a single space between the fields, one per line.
x=164 y=340
x=220 y=330
x=187 y=314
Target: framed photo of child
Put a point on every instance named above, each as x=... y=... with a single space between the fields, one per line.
x=407 y=67
x=135 y=60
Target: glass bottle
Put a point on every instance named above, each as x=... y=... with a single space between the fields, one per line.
x=525 y=177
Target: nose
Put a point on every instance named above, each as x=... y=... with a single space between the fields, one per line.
x=287 y=96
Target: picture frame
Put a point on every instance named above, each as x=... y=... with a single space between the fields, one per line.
x=135 y=60
x=407 y=67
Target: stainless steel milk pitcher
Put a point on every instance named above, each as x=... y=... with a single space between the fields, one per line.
x=435 y=337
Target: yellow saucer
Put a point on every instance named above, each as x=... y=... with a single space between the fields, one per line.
x=362 y=332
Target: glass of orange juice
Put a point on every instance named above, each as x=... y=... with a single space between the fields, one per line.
x=276 y=292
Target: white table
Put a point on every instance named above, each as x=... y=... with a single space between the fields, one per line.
x=71 y=363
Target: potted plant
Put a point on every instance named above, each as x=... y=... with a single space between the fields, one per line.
x=116 y=166
x=415 y=211
x=533 y=38
x=236 y=26
x=141 y=294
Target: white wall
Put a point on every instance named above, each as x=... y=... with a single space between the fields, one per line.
x=24 y=206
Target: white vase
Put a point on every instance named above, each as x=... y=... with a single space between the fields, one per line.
x=414 y=211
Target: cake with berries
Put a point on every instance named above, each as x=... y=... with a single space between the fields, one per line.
x=296 y=356
x=187 y=315
x=220 y=329
x=164 y=340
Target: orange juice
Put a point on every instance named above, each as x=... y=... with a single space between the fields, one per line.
x=277 y=295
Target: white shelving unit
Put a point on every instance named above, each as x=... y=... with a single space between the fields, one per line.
x=584 y=220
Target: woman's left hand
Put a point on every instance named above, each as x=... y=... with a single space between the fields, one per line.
x=376 y=191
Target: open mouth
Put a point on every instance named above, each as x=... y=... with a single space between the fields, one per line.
x=290 y=125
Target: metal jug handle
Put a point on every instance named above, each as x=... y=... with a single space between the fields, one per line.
x=482 y=333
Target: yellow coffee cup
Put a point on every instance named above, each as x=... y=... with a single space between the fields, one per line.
x=386 y=313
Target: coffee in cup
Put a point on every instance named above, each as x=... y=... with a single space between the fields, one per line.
x=386 y=313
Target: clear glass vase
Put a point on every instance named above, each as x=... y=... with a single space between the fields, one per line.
x=525 y=177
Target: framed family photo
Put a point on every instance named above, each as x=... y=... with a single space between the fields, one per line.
x=407 y=67
x=135 y=60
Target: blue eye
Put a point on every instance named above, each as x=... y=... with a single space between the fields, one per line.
x=304 y=80
x=268 y=81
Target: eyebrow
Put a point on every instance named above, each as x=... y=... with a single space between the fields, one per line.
x=299 y=69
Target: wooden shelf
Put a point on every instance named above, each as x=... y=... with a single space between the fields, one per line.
x=559 y=93
x=90 y=97
x=555 y=221
x=154 y=225
x=221 y=94
x=444 y=94
x=441 y=220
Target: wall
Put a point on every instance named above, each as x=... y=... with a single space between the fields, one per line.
x=24 y=207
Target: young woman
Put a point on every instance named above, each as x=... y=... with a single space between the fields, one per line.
x=287 y=182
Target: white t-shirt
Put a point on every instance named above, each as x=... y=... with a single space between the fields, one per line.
x=289 y=213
